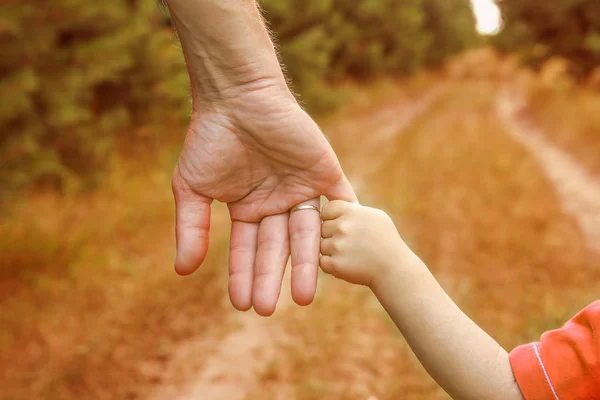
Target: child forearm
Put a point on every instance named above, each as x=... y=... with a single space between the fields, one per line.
x=459 y=355
x=362 y=246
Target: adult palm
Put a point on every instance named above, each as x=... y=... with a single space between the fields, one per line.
x=262 y=154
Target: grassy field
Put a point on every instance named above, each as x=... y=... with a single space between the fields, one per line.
x=91 y=309
x=89 y=294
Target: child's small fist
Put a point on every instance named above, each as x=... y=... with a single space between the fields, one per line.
x=360 y=244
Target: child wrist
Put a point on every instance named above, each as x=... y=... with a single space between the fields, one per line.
x=385 y=277
x=400 y=276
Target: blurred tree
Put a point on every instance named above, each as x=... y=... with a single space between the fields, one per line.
x=301 y=31
x=380 y=36
x=322 y=40
x=78 y=74
x=74 y=74
x=541 y=29
x=453 y=27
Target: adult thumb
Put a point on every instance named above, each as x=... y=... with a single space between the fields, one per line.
x=342 y=190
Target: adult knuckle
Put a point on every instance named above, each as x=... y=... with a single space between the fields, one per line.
x=178 y=184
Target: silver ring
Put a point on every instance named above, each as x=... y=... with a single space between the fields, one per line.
x=307 y=207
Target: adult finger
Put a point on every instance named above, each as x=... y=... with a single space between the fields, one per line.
x=305 y=235
x=342 y=191
x=192 y=226
x=273 y=250
x=242 y=255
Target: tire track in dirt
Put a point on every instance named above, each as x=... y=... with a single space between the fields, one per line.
x=234 y=363
x=382 y=128
x=578 y=190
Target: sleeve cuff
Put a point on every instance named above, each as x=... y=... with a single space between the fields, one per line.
x=530 y=374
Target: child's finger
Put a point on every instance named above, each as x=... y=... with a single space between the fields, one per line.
x=328 y=229
x=328 y=247
x=333 y=209
x=326 y=264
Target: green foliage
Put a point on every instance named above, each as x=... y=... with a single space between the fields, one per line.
x=75 y=75
x=541 y=29
x=453 y=28
x=325 y=40
x=79 y=74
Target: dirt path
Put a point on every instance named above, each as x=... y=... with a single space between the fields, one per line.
x=235 y=362
x=379 y=129
x=579 y=191
x=215 y=367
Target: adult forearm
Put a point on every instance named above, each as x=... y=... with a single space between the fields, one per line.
x=226 y=46
x=459 y=355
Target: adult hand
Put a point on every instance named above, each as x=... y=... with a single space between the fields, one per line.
x=252 y=146
x=261 y=154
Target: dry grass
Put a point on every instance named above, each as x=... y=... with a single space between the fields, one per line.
x=90 y=307
x=90 y=304
x=477 y=208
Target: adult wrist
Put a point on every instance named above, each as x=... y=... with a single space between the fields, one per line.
x=226 y=46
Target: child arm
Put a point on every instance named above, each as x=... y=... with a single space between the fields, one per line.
x=458 y=354
x=361 y=245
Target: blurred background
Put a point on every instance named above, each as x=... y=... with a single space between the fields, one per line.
x=475 y=125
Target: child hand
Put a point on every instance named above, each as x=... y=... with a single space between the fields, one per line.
x=360 y=244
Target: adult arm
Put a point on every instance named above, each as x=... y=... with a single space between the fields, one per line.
x=227 y=49
x=252 y=146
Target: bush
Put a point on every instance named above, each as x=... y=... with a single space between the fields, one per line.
x=542 y=29
x=81 y=74
x=76 y=75
x=327 y=40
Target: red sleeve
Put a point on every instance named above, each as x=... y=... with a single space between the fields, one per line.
x=565 y=364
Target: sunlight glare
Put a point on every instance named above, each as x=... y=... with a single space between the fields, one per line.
x=488 y=16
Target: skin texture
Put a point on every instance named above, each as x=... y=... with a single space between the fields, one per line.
x=361 y=245
x=250 y=145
